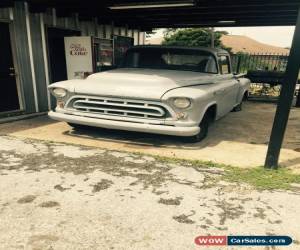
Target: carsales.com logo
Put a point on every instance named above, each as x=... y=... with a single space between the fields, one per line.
x=243 y=240
x=211 y=240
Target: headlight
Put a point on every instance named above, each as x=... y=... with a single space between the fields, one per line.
x=59 y=92
x=182 y=102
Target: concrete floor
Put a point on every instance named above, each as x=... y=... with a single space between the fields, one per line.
x=62 y=196
x=239 y=139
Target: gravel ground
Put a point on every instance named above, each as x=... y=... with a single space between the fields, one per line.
x=64 y=196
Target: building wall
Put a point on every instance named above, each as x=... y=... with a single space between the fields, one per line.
x=30 y=48
x=17 y=18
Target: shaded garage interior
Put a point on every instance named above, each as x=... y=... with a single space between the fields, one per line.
x=56 y=47
x=199 y=13
x=9 y=94
x=56 y=52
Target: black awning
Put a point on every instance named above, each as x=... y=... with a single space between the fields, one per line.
x=177 y=13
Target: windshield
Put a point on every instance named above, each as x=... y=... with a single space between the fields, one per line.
x=171 y=59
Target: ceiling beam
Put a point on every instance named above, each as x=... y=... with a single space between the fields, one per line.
x=205 y=13
x=6 y=3
x=203 y=25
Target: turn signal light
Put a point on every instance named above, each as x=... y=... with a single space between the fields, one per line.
x=60 y=104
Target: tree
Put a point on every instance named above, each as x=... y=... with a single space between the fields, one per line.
x=193 y=37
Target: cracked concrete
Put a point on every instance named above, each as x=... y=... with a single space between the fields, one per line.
x=50 y=198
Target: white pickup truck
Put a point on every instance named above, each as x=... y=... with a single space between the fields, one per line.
x=163 y=90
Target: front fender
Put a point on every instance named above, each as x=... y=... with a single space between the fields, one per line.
x=201 y=96
x=67 y=85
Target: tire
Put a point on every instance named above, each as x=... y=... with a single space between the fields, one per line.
x=77 y=126
x=204 y=125
x=238 y=108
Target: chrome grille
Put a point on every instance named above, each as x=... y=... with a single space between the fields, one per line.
x=119 y=107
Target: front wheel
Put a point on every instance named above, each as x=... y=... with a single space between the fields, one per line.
x=203 y=131
x=77 y=126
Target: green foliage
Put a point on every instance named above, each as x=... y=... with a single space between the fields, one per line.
x=193 y=37
x=262 y=178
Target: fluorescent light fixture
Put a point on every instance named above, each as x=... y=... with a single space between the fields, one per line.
x=227 y=21
x=152 y=5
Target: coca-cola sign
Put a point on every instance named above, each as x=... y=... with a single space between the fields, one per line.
x=76 y=49
x=78 y=56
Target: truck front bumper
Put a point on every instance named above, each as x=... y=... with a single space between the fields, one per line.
x=124 y=125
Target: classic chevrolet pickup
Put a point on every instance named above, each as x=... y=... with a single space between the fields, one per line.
x=157 y=89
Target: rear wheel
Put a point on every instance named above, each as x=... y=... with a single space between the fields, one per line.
x=239 y=107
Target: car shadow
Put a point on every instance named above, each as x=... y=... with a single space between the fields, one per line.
x=134 y=139
x=227 y=128
x=251 y=126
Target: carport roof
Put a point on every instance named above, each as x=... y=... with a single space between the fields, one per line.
x=188 y=13
x=210 y=50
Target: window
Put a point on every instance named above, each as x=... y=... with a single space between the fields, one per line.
x=224 y=64
x=171 y=59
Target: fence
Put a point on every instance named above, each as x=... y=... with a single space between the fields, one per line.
x=243 y=62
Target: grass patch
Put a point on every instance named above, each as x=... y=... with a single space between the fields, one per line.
x=195 y=163
x=259 y=177
x=262 y=178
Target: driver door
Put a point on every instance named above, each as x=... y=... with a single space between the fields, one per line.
x=229 y=86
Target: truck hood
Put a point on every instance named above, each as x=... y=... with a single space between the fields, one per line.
x=136 y=83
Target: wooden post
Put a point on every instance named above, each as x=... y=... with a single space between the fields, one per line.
x=298 y=98
x=285 y=100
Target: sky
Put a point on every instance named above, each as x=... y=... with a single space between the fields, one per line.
x=277 y=36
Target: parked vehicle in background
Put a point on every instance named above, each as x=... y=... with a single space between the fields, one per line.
x=163 y=90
